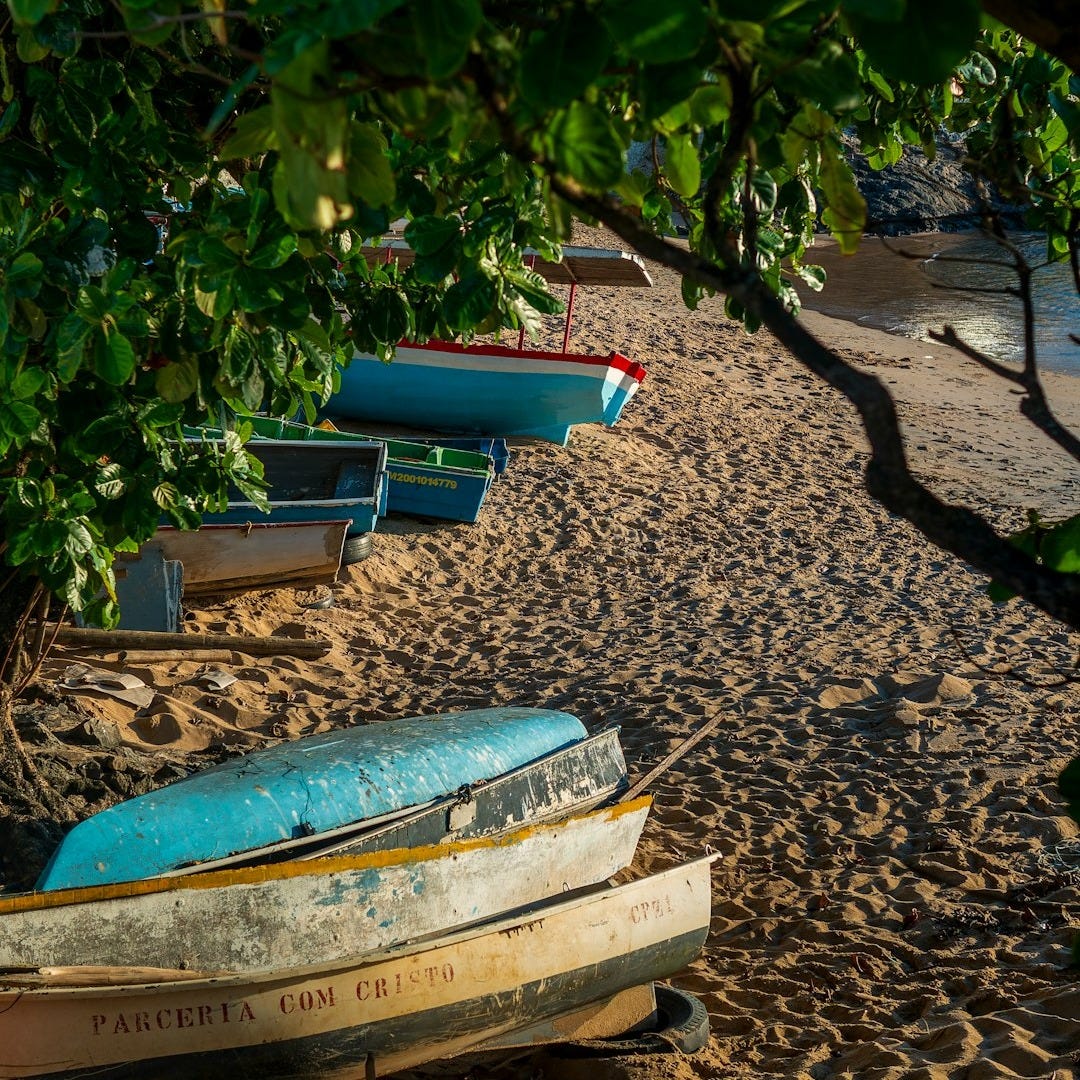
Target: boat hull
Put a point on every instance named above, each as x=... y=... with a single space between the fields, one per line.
x=296 y=914
x=429 y=481
x=568 y=781
x=487 y=390
x=370 y=1016
x=226 y=558
x=312 y=482
x=301 y=788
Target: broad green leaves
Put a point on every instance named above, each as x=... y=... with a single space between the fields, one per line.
x=920 y=41
x=188 y=206
x=656 y=33
x=559 y=64
x=584 y=145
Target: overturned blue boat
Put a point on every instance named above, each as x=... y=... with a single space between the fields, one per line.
x=303 y=788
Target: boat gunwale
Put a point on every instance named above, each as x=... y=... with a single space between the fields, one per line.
x=41 y=900
x=502 y=924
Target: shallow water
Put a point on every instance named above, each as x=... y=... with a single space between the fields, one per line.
x=911 y=296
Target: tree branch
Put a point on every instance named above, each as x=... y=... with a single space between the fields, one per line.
x=889 y=480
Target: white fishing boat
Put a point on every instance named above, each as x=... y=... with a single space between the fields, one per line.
x=364 y=1015
x=293 y=914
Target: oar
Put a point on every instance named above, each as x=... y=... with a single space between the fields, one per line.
x=678 y=752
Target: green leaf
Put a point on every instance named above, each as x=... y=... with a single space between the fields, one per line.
x=23 y=276
x=829 y=79
x=656 y=32
x=388 y=318
x=558 y=65
x=371 y=175
x=253 y=134
x=114 y=358
x=814 y=276
x=429 y=234
x=845 y=210
x=20 y=418
x=28 y=12
x=177 y=382
x=469 y=301
x=681 y=165
x=1060 y=548
x=925 y=44
x=711 y=105
x=273 y=253
x=29 y=383
x=584 y=145
x=444 y=30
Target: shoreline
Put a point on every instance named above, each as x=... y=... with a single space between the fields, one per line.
x=881 y=785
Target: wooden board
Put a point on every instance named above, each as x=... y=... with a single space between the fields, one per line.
x=228 y=558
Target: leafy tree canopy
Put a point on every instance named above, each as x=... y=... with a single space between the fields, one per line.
x=185 y=191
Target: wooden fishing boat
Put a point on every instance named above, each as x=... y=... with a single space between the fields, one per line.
x=302 y=788
x=494 y=390
x=426 y=480
x=296 y=913
x=367 y=1015
x=341 y=480
x=487 y=389
x=572 y=780
x=255 y=555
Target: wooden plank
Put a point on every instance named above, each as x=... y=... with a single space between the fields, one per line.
x=579 y=265
x=88 y=637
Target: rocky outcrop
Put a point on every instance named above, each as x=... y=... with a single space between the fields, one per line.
x=918 y=194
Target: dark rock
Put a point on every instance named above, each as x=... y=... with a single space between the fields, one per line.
x=26 y=845
x=922 y=195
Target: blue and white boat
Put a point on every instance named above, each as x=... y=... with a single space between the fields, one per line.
x=493 y=390
x=488 y=390
x=302 y=788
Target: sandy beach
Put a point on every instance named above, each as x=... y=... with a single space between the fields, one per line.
x=900 y=883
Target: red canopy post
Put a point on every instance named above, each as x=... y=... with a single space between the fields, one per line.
x=569 y=316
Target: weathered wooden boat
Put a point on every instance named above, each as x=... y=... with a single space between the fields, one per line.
x=368 y=1015
x=313 y=482
x=297 y=913
x=494 y=390
x=301 y=788
x=572 y=780
x=263 y=554
x=432 y=481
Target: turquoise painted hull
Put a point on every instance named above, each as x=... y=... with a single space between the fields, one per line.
x=302 y=788
x=487 y=390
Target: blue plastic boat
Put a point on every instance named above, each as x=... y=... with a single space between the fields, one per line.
x=302 y=788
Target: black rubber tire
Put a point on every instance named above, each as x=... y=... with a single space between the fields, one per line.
x=356 y=549
x=682 y=1024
